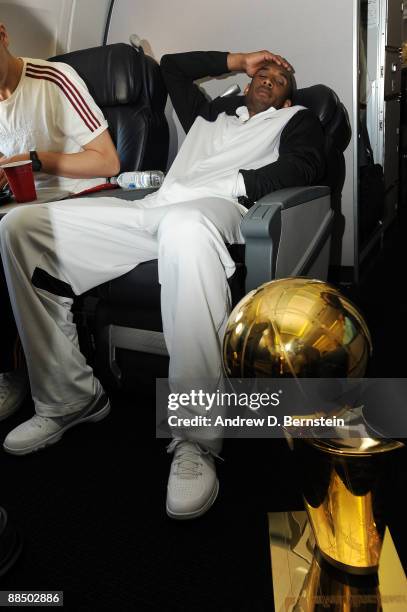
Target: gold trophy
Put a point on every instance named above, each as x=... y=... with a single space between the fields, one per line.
x=297 y=327
x=344 y=493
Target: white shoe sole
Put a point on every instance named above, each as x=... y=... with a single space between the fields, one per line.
x=184 y=516
x=53 y=438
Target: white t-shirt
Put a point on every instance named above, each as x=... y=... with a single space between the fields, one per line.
x=209 y=159
x=50 y=110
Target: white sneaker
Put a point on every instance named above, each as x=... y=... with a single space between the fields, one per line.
x=40 y=431
x=192 y=484
x=13 y=391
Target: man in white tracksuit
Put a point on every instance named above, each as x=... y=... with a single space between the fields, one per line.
x=52 y=253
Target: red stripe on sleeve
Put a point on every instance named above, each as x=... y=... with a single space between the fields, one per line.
x=73 y=102
x=52 y=71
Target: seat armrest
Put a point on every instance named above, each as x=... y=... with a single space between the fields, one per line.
x=262 y=225
x=293 y=196
x=123 y=194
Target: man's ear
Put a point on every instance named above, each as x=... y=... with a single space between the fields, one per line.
x=287 y=104
x=246 y=89
x=3 y=35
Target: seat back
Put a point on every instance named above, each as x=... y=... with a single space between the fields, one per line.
x=128 y=318
x=129 y=89
x=334 y=118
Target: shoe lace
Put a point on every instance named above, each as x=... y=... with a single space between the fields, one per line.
x=39 y=421
x=186 y=462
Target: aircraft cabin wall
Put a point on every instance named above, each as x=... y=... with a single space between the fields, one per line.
x=42 y=28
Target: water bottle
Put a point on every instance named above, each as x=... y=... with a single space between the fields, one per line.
x=143 y=179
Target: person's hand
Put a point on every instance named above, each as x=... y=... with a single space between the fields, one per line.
x=8 y=160
x=254 y=61
x=3 y=178
x=14 y=158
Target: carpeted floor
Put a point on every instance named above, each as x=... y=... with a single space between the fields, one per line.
x=91 y=509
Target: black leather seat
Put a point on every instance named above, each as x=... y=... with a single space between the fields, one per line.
x=128 y=315
x=334 y=118
x=128 y=318
x=128 y=87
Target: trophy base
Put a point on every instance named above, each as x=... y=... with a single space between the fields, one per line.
x=10 y=543
x=303 y=580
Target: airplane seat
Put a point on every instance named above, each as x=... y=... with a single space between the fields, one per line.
x=287 y=232
x=129 y=89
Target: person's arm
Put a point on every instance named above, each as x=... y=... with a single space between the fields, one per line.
x=74 y=114
x=301 y=159
x=180 y=70
x=99 y=158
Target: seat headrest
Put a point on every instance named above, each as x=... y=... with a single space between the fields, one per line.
x=325 y=104
x=322 y=100
x=119 y=60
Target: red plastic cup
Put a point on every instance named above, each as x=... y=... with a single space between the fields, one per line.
x=21 y=180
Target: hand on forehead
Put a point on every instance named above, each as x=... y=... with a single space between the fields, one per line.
x=270 y=64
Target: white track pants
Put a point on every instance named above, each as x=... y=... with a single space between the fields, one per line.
x=82 y=243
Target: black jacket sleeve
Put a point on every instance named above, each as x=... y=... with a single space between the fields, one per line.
x=180 y=70
x=301 y=159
